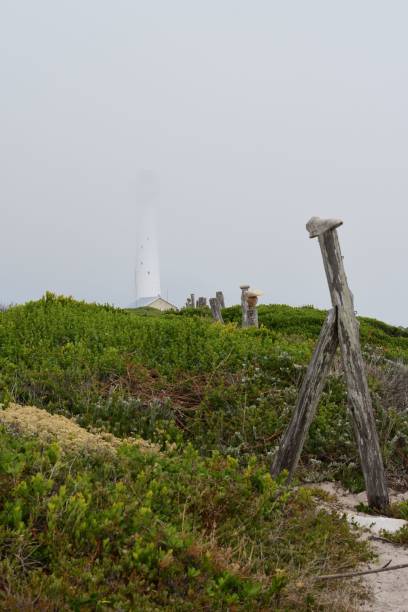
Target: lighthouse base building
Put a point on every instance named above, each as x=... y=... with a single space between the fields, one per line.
x=158 y=303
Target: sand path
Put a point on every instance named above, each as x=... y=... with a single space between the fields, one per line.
x=389 y=589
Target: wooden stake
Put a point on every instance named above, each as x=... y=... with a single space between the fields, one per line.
x=252 y=310
x=193 y=301
x=341 y=327
x=288 y=455
x=220 y=297
x=244 y=305
x=359 y=399
x=216 y=310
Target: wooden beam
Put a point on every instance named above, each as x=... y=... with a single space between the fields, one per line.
x=288 y=455
x=359 y=399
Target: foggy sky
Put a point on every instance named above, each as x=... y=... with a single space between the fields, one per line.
x=254 y=116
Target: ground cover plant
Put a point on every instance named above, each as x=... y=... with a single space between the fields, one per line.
x=168 y=531
x=181 y=378
x=215 y=400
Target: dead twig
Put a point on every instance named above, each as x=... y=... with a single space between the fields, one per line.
x=386 y=568
x=380 y=539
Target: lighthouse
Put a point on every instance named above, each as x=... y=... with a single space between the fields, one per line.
x=147 y=273
x=147 y=269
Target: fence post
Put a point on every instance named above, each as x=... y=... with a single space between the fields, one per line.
x=288 y=455
x=244 y=305
x=252 y=310
x=359 y=400
x=216 y=310
x=193 y=300
x=220 y=297
x=341 y=327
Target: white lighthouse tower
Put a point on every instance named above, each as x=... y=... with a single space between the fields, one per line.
x=147 y=270
x=147 y=274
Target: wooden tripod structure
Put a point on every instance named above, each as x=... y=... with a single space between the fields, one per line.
x=340 y=328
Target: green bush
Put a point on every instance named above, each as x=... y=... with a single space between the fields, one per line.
x=202 y=525
x=167 y=532
x=179 y=378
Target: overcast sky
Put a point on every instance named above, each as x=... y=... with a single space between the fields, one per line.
x=253 y=116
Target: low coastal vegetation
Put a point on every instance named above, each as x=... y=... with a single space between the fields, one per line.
x=175 y=508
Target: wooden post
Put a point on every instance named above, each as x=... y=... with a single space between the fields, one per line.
x=216 y=310
x=252 y=311
x=193 y=301
x=359 y=399
x=341 y=327
x=288 y=455
x=220 y=297
x=201 y=302
x=244 y=305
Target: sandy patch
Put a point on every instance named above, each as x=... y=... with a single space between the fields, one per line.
x=389 y=589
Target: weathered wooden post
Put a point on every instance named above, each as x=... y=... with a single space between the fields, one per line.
x=193 y=301
x=220 y=297
x=216 y=310
x=244 y=305
x=288 y=455
x=359 y=399
x=341 y=327
x=201 y=302
x=252 y=310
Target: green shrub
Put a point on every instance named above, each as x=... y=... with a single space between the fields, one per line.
x=178 y=378
x=173 y=531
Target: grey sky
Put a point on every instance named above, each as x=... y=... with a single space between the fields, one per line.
x=254 y=116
